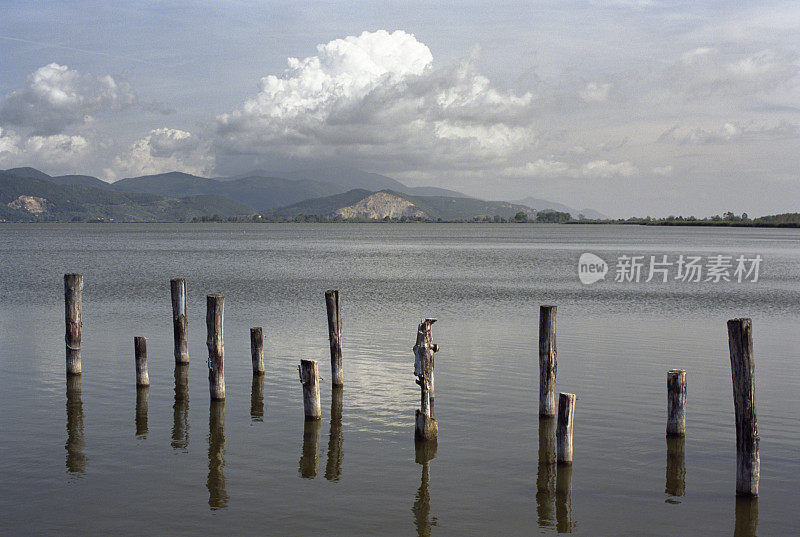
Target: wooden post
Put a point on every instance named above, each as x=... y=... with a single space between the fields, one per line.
x=73 y=315
x=257 y=398
x=217 y=490
x=748 y=462
x=676 y=466
x=333 y=469
x=215 y=307
x=309 y=378
x=179 y=320
x=309 y=456
x=546 y=472
x=426 y=427
x=257 y=350
x=180 y=408
x=566 y=413
x=676 y=402
x=334 y=307
x=142 y=396
x=547 y=361
x=76 y=459
x=140 y=349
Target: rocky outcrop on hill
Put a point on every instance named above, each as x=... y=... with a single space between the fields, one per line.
x=379 y=206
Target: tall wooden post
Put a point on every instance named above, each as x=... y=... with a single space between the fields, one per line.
x=547 y=361
x=216 y=348
x=309 y=378
x=676 y=402
x=426 y=426
x=334 y=306
x=257 y=350
x=566 y=414
x=73 y=315
x=748 y=461
x=179 y=320
x=140 y=350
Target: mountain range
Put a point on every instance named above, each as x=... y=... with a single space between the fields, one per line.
x=27 y=194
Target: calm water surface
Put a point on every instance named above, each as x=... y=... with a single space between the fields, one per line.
x=96 y=456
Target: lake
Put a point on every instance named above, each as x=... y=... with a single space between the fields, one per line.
x=99 y=457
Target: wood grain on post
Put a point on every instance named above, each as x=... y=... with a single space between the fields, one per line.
x=140 y=349
x=676 y=402
x=179 y=320
x=566 y=414
x=334 y=306
x=748 y=462
x=309 y=378
x=215 y=309
x=547 y=361
x=73 y=316
x=257 y=350
x=426 y=427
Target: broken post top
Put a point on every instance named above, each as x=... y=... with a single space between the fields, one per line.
x=215 y=296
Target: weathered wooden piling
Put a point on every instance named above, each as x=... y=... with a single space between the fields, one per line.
x=547 y=361
x=748 y=462
x=73 y=316
x=309 y=378
x=179 y=320
x=334 y=306
x=426 y=427
x=333 y=468
x=140 y=351
x=215 y=309
x=257 y=349
x=676 y=402
x=566 y=414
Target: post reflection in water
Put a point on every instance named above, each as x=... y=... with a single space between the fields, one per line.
x=217 y=493
x=546 y=473
x=564 y=520
x=333 y=469
x=676 y=468
x=76 y=460
x=746 y=524
x=309 y=458
x=425 y=451
x=142 y=396
x=257 y=398
x=180 y=409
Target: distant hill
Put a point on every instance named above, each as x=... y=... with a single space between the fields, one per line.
x=546 y=205
x=363 y=204
x=29 y=198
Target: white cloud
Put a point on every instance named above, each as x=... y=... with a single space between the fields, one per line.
x=729 y=132
x=603 y=169
x=595 y=93
x=57 y=97
x=662 y=171
x=162 y=150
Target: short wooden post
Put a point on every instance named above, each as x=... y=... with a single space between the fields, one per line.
x=257 y=350
x=676 y=402
x=215 y=306
x=748 y=462
x=140 y=348
x=142 y=396
x=179 y=320
x=73 y=315
x=566 y=413
x=334 y=307
x=309 y=378
x=426 y=427
x=180 y=408
x=547 y=361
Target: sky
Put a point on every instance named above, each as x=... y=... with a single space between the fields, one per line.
x=629 y=107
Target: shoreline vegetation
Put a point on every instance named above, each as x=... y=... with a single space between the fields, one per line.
x=785 y=220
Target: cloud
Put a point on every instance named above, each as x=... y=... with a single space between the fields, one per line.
x=57 y=97
x=595 y=169
x=728 y=132
x=595 y=93
x=662 y=171
x=162 y=150
x=603 y=169
x=379 y=97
